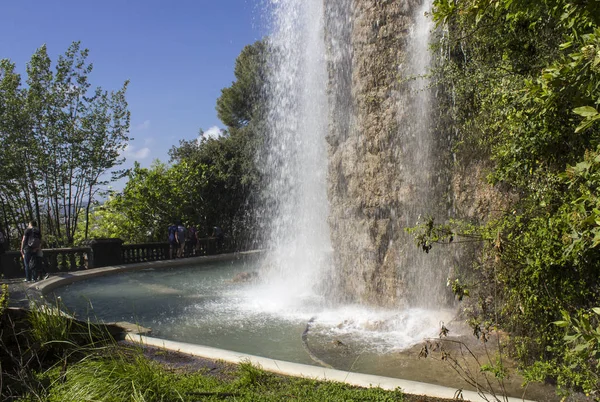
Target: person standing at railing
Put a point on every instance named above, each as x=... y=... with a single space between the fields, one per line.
x=220 y=236
x=180 y=239
x=193 y=234
x=30 y=245
x=173 y=243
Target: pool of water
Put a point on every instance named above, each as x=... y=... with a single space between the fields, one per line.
x=206 y=304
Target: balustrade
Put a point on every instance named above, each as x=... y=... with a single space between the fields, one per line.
x=132 y=253
x=66 y=259
x=107 y=252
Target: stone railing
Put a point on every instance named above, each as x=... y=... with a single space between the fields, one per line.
x=108 y=252
x=66 y=259
x=54 y=260
x=132 y=253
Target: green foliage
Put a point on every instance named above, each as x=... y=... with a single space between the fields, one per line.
x=58 y=138
x=117 y=377
x=208 y=185
x=240 y=103
x=522 y=92
x=129 y=376
x=583 y=349
x=150 y=201
x=250 y=375
x=210 y=182
x=3 y=298
x=585 y=336
x=458 y=288
x=57 y=335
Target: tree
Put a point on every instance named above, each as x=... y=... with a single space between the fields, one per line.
x=242 y=101
x=141 y=212
x=211 y=181
x=228 y=187
x=13 y=204
x=67 y=138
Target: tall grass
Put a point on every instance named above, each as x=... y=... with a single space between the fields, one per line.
x=55 y=358
x=132 y=377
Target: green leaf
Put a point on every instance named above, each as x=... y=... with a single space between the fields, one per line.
x=571 y=338
x=565 y=45
x=582 y=166
x=478 y=17
x=587 y=123
x=585 y=111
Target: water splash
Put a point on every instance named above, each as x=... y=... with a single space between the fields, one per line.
x=296 y=157
x=426 y=273
x=315 y=79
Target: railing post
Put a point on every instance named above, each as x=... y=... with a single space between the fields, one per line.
x=105 y=252
x=10 y=265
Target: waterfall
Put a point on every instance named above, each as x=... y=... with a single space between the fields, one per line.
x=426 y=273
x=296 y=155
x=350 y=156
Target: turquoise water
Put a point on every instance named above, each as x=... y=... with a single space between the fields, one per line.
x=203 y=304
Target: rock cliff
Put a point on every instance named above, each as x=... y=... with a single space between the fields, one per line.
x=370 y=143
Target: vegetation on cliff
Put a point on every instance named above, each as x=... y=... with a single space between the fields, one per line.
x=521 y=91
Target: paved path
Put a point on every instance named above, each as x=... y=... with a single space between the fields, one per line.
x=21 y=293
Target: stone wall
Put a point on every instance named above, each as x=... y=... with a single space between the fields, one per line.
x=365 y=177
x=390 y=165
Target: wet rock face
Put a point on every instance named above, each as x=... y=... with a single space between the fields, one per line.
x=390 y=162
x=366 y=189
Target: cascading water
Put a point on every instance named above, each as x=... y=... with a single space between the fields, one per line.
x=383 y=172
x=426 y=273
x=296 y=162
x=348 y=162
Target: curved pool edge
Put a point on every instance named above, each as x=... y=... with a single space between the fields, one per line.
x=276 y=366
x=311 y=372
x=62 y=279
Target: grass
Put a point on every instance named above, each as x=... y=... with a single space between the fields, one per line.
x=48 y=356
x=132 y=377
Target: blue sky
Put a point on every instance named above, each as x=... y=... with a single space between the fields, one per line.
x=177 y=54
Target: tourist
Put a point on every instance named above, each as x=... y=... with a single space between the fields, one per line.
x=173 y=244
x=180 y=239
x=218 y=233
x=30 y=245
x=193 y=234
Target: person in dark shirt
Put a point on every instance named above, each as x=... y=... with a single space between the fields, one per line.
x=173 y=244
x=193 y=234
x=218 y=233
x=180 y=236
x=30 y=245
